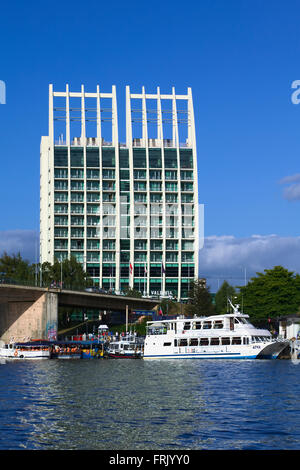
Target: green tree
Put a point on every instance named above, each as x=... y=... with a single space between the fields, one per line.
x=200 y=300
x=70 y=272
x=271 y=294
x=226 y=291
x=129 y=292
x=169 y=307
x=16 y=269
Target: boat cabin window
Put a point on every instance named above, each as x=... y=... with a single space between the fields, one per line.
x=182 y=342
x=246 y=340
x=187 y=325
x=259 y=339
x=206 y=325
x=167 y=344
x=193 y=342
x=236 y=340
x=197 y=325
x=204 y=341
x=218 y=324
x=225 y=341
x=214 y=341
x=157 y=329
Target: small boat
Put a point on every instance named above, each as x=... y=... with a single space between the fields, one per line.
x=92 y=349
x=127 y=347
x=229 y=336
x=66 y=350
x=26 y=350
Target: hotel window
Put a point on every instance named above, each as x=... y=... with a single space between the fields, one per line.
x=155 y=158
x=92 y=157
x=108 y=157
x=139 y=158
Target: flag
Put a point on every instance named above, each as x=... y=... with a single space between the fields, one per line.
x=130 y=268
x=162 y=268
x=160 y=311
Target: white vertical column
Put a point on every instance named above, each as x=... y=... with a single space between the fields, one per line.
x=115 y=142
x=68 y=142
x=192 y=143
x=83 y=144
x=130 y=148
x=179 y=211
x=146 y=144
x=161 y=138
x=99 y=143
x=50 y=178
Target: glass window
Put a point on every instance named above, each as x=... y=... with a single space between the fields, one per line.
x=204 y=341
x=77 y=156
x=155 y=174
x=225 y=341
x=155 y=160
x=170 y=158
x=60 y=156
x=108 y=157
x=139 y=158
x=214 y=341
x=236 y=340
x=194 y=342
x=206 y=325
x=124 y=158
x=186 y=158
x=92 y=157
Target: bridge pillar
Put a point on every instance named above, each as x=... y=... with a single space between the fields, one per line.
x=23 y=320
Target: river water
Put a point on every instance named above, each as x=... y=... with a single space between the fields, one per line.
x=139 y=404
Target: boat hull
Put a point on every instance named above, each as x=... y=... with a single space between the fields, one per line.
x=123 y=356
x=268 y=351
x=15 y=355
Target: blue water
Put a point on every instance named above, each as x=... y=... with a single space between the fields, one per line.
x=136 y=404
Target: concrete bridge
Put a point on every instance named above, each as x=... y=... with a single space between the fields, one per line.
x=32 y=312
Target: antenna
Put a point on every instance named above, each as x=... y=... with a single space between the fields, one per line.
x=235 y=308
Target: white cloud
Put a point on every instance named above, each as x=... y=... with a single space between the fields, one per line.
x=290 y=179
x=23 y=241
x=222 y=257
x=228 y=257
x=291 y=192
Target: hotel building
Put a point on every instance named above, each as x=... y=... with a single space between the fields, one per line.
x=127 y=211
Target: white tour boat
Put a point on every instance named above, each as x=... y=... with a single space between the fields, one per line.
x=228 y=336
x=127 y=347
x=26 y=350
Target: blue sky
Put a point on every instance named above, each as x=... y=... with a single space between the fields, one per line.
x=240 y=58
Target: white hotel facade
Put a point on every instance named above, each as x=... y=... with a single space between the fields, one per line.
x=127 y=211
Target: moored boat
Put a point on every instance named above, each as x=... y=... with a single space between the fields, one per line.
x=26 y=350
x=66 y=350
x=127 y=347
x=229 y=336
x=92 y=349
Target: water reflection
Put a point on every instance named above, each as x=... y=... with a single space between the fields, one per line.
x=117 y=404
